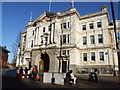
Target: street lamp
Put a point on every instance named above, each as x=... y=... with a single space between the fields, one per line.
x=107 y=53
x=117 y=47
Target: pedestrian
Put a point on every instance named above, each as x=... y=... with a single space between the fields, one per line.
x=26 y=72
x=21 y=73
x=68 y=74
x=67 y=80
x=34 y=72
x=72 y=78
x=17 y=72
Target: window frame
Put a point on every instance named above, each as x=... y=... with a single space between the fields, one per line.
x=99 y=23
x=100 y=38
x=92 y=39
x=24 y=38
x=43 y=29
x=85 y=58
x=64 y=25
x=64 y=39
x=32 y=44
x=101 y=53
x=93 y=60
x=84 y=38
x=63 y=52
x=68 y=36
x=83 y=28
x=68 y=24
x=91 y=25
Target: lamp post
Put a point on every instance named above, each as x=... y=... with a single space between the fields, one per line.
x=107 y=53
x=117 y=47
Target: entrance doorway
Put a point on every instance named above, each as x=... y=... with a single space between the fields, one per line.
x=41 y=66
x=64 y=66
x=44 y=63
x=30 y=65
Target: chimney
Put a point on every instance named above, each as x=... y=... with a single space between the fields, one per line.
x=104 y=8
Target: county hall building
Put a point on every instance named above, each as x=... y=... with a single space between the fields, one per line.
x=65 y=40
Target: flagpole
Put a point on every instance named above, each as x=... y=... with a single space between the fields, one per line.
x=31 y=16
x=49 y=5
x=72 y=3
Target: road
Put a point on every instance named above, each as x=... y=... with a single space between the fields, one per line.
x=103 y=82
x=82 y=83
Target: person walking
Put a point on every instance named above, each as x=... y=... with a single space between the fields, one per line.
x=21 y=73
x=34 y=72
x=26 y=72
x=72 y=78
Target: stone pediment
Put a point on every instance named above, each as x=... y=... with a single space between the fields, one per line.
x=40 y=18
x=43 y=16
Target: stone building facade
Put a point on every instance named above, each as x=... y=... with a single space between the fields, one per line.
x=61 y=41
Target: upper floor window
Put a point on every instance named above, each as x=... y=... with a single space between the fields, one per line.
x=92 y=39
x=68 y=52
x=33 y=33
x=68 y=24
x=91 y=26
x=100 y=38
x=30 y=54
x=68 y=38
x=99 y=24
x=32 y=44
x=64 y=38
x=84 y=56
x=24 y=39
x=61 y=26
x=84 y=40
x=83 y=27
x=92 y=56
x=49 y=40
x=41 y=40
x=23 y=48
x=64 y=52
x=64 y=25
x=46 y=40
x=43 y=29
x=49 y=27
x=22 y=59
x=101 y=55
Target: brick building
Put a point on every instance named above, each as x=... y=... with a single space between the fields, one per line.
x=4 y=57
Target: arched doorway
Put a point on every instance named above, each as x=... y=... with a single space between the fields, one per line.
x=44 y=62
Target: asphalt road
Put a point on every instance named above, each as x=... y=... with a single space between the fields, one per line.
x=82 y=83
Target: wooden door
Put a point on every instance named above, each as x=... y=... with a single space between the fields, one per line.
x=64 y=66
x=41 y=66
